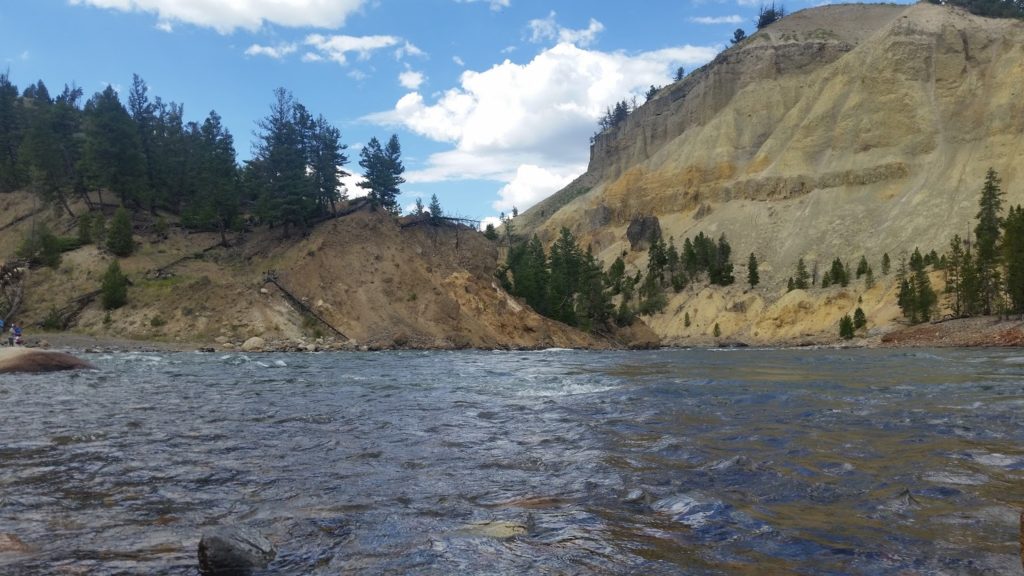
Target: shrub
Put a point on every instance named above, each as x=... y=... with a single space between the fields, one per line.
x=41 y=247
x=860 y=320
x=119 y=238
x=717 y=331
x=114 y=288
x=846 y=327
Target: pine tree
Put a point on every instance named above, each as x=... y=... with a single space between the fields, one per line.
x=564 y=281
x=801 y=281
x=717 y=332
x=886 y=264
x=846 y=331
x=986 y=233
x=686 y=319
x=753 y=278
x=738 y=36
x=327 y=158
x=860 y=320
x=435 y=208
x=489 y=231
x=112 y=157
x=217 y=176
x=862 y=267
x=1013 y=258
x=119 y=237
x=114 y=288
x=383 y=174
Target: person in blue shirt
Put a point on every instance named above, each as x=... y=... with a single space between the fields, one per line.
x=1 y=325
x=17 y=334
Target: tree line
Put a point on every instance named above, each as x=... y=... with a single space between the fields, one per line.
x=152 y=159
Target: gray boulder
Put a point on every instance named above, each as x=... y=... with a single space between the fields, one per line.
x=234 y=551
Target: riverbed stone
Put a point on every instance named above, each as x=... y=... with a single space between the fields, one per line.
x=11 y=544
x=254 y=344
x=30 y=360
x=234 y=551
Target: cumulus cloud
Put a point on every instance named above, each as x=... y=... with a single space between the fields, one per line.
x=411 y=79
x=225 y=17
x=527 y=125
x=495 y=4
x=731 y=19
x=492 y=220
x=276 y=52
x=530 y=185
x=547 y=29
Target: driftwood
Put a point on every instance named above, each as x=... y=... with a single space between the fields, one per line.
x=297 y=303
x=162 y=272
x=20 y=219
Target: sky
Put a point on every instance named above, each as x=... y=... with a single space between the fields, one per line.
x=493 y=101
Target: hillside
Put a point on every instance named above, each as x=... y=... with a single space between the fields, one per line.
x=839 y=131
x=377 y=283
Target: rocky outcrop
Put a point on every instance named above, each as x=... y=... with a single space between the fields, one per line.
x=839 y=131
x=25 y=360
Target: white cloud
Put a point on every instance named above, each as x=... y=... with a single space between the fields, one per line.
x=495 y=4
x=411 y=79
x=338 y=47
x=527 y=125
x=276 y=52
x=459 y=61
x=547 y=29
x=312 y=57
x=24 y=56
x=408 y=49
x=493 y=220
x=165 y=26
x=531 y=185
x=226 y=16
x=731 y=19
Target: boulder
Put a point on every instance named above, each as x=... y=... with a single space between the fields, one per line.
x=32 y=360
x=254 y=344
x=234 y=551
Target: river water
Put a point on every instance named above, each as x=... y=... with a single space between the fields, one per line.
x=555 y=462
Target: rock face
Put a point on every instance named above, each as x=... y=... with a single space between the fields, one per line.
x=234 y=552
x=22 y=360
x=835 y=132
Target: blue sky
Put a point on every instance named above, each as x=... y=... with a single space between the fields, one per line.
x=492 y=100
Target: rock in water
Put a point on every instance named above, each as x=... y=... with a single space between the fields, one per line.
x=234 y=551
x=32 y=360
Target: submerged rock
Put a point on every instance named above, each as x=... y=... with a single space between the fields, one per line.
x=11 y=544
x=31 y=360
x=234 y=551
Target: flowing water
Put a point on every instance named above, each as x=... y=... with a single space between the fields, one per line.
x=556 y=462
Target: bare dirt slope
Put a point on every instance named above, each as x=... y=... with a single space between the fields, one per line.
x=839 y=131
x=376 y=283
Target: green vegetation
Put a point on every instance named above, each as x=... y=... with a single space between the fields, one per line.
x=860 y=320
x=738 y=36
x=846 y=331
x=769 y=14
x=41 y=247
x=119 y=238
x=753 y=278
x=114 y=287
x=383 y=172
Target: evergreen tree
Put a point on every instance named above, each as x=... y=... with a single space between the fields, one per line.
x=717 y=332
x=12 y=175
x=860 y=320
x=435 y=208
x=119 y=238
x=769 y=14
x=862 y=267
x=686 y=319
x=419 y=209
x=753 y=278
x=217 y=176
x=594 y=304
x=680 y=74
x=986 y=233
x=790 y=285
x=802 y=279
x=651 y=93
x=279 y=168
x=143 y=114
x=846 y=327
x=114 y=289
x=327 y=159
x=383 y=174
x=564 y=281
x=112 y=157
x=616 y=275
x=886 y=264
x=869 y=278
x=1013 y=258
x=489 y=231
x=738 y=36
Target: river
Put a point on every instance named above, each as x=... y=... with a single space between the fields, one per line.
x=557 y=462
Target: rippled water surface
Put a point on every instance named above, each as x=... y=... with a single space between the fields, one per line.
x=557 y=462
